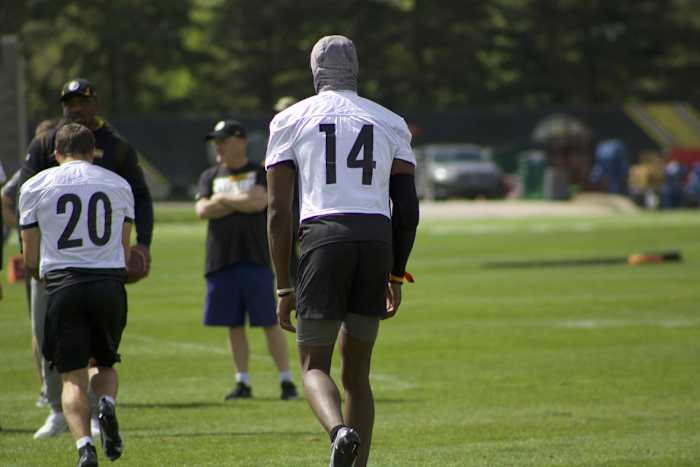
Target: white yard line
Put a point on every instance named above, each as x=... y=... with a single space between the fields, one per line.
x=156 y=346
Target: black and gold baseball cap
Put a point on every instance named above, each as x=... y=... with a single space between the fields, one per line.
x=226 y=129
x=78 y=87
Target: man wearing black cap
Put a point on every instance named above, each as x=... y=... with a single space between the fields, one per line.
x=232 y=196
x=80 y=105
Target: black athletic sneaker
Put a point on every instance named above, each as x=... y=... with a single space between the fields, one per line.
x=241 y=391
x=344 y=448
x=109 y=433
x=289 y=391
x=87 y=456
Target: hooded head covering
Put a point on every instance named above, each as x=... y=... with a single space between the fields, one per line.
x=334 y=64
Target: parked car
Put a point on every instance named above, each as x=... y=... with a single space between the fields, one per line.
x=464 y=170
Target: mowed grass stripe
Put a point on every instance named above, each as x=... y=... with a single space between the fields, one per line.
x=587 y=366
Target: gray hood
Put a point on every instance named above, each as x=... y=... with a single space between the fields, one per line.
x=334 y=64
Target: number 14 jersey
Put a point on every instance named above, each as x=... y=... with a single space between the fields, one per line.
x=343 y=147
x=80 y=209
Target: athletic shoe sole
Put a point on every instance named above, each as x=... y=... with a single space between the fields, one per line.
x=109 y=433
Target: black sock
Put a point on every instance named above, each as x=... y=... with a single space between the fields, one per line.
x=334 y=431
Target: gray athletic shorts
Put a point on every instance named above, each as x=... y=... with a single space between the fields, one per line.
x=316 y=332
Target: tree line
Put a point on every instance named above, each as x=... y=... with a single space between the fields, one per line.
x=219 y=56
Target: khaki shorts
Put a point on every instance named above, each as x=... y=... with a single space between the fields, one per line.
x=317 y=332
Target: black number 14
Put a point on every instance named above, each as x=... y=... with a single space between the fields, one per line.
x=365 y=141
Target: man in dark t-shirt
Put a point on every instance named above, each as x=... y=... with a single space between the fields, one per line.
x=232 y=196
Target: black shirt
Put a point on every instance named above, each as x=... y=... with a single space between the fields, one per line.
x=111 y=152
x=237 y=237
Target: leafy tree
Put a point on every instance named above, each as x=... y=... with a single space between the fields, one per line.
x=219 y=56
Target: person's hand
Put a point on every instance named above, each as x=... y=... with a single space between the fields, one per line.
x=393 y=299
x=285 y=305
x=139 y=263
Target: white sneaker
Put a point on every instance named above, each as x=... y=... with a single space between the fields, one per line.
x=94 y=427
x=55 y=424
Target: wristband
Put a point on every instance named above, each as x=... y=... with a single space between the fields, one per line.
x=396 y=279
x=285 y=292
x=407 y=276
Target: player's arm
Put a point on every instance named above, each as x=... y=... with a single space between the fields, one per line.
x=253 y=200
x=126 y=240
x=404 y=221
x=280 y=194
x=36 y=160
x=131 y=170
x=9 y=201
x=30 y=250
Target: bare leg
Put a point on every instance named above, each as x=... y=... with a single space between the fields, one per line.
x=277 y=346
x=76 y=406
x=238 y=343
x=319 y=388
x=359 y=401
x=104 y=382
x=37 y=360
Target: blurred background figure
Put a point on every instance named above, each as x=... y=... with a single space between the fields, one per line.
x=566 y=141
x=611 y=167
x=672 y=189
x=3 y=178
x=692 y=186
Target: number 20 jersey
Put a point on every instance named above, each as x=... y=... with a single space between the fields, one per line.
x=80 y=209
x=343 y=147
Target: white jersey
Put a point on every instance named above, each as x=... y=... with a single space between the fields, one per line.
x=343 y=147
x=80 y=209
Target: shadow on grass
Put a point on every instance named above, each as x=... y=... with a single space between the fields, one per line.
x=276 y=434
x=200 y=404
x=234 y=403
x=168 y=405
x=396 y=401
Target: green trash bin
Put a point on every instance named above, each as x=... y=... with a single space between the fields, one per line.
x=531 y=165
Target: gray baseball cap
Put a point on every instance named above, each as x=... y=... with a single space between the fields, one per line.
x=334 y=64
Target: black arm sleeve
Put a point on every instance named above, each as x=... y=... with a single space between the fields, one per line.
x=36 y=160
x=404 y=219
x=143 y=204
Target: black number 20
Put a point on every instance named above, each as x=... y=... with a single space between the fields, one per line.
x=64 y=240
x=365 y=140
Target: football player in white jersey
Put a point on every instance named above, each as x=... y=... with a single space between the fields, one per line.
x=359 y=214
x=76 y=220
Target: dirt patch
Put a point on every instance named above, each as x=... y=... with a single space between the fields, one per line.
x=586 y=204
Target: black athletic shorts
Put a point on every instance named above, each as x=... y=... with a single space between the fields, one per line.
x=85 y=320
x=343 y=277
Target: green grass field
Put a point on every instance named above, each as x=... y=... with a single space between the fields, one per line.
x=587 y=366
